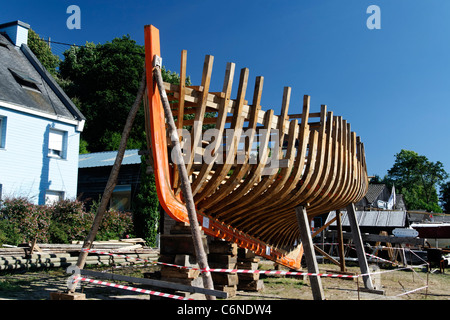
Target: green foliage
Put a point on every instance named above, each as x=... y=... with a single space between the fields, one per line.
x=69 y=221
x=9 y=233
x=105 y=79
x=445 y=196
x=62 y=222
x=32 y=221
x=146 y=207
x=417 y=179
x=115 y=224
x=42 y=51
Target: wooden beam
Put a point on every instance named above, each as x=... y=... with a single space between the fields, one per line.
x=184 y=179
x=323 y=227
x=154 y=283
x=380 y=238
x=357 y=240
x=311 y=262
x=340 y=240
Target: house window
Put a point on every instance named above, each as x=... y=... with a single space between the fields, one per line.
x=2 y=132
x=52 y=197
x=121 y=198
x=56 y=144
x=25 y=80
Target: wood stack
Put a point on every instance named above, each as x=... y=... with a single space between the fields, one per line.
x=178 y=248
x=248 y=281
x=223 y=255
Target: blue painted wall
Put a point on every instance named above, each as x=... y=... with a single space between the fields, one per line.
x=25 y=167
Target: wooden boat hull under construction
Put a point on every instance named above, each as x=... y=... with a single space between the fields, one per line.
x=244 y=198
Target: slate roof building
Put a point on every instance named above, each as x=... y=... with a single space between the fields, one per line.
x=39 y=125
x=376 y=198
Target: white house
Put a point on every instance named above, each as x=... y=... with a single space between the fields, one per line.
x=39 y=125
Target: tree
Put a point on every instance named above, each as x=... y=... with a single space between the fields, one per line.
x=445 y=196
x=105 y=79
x=42 y=51
x=417 y=179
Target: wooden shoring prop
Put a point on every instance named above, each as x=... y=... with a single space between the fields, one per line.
x=360 y=252
x=112 y=180
x=311 y=261
x=340 y=241
x=184 y=179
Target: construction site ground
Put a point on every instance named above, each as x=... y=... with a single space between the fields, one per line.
x=37 y=285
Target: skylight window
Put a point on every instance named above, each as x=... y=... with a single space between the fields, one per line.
x=25 y=80
x=4 y=44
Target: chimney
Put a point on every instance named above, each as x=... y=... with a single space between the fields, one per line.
x=17 y=31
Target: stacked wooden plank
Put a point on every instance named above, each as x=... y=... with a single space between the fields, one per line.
x=223 y=255
x=64 y=255
x=49 y=260
x=247 y=260
x=178 y=248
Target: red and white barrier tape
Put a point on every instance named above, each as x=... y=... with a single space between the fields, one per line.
x=119 y=286
x=269 y=272
x=233 y=270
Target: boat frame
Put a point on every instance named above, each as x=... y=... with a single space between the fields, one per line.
x=322 y=167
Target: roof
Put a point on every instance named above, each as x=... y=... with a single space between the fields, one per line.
x=374 y=191
x=20 y=64
x=104 y=159
x=373 y=218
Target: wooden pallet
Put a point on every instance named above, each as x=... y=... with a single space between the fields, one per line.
x=323 y=165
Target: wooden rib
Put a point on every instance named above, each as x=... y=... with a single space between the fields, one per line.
x=297 y=172
x=200 y=111
x=335 y=155
x=180 y=115
x=220 y=126
x=309 y=171
x=254 y=176
x=182 y=88
x=213 y=101
x=242 y=168
x=287 y=214
x=236 y=124
x=335 y=171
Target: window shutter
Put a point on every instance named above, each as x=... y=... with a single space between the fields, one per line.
x=56 y=140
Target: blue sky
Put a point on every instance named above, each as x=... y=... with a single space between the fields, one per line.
x=391 y=84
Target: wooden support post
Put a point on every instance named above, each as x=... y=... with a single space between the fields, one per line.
x=357 y=240
x=311 y=262
x=112 y=180
x=340 y=241
x=184 y=179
